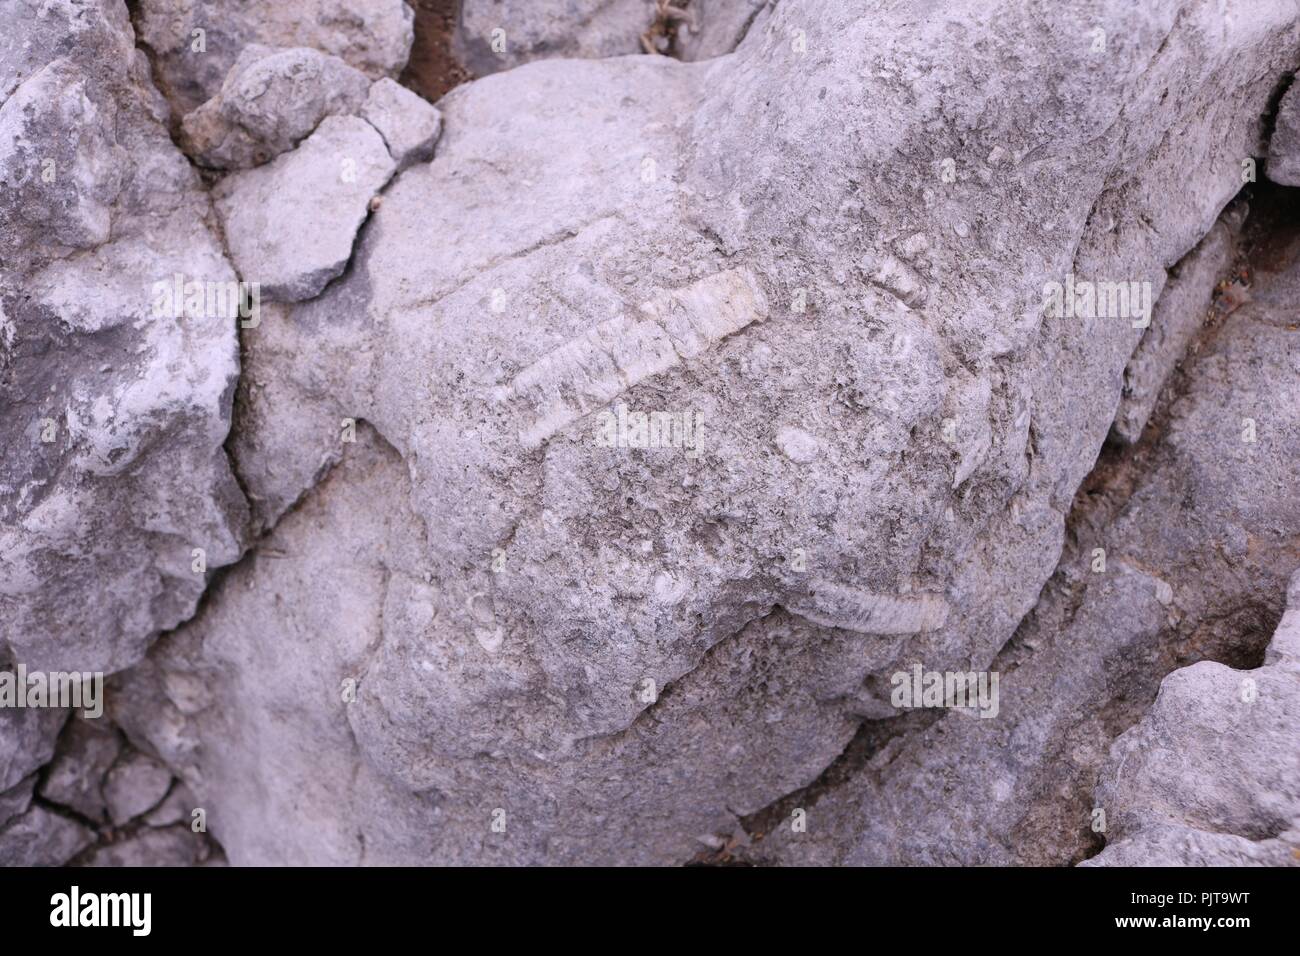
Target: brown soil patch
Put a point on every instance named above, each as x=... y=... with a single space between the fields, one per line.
x=433 y=69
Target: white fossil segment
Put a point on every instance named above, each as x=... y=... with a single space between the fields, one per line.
x=593 y=369
x=705 y=312
x=838 y=605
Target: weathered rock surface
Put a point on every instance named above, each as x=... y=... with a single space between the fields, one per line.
x=116 y=497
x=1178 y=552
x=41 y=837
x=809 y=257
x=61 y=165
x=409 y=126
x=194 y=43
x=27 y=738
x=270 y=101
x=177 y=807
x=15 y=801
x=171 y=846
x=1211 y=775
x=115 y=405
x=1183 y=307
x=602 y=469
x=290 y=224
x=493 y=35
x=716 y=27
x=136 y=784
x=1283 y=164
x=665 y=744
x=275 y=463
x=87 y=751
x=99 y=803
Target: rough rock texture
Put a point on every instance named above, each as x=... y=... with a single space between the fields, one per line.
x=100 y=802
x=1178 y=316
x=26 y=741
x=1211 y=775
x=290 y=224
x=15 y=801
x=172 y=846
x=773 y=243
x=1283 y=164
x=41 y=837
x=114 y=415
x=135 y=785
x=409 y=126
x=270 y=101
x=52 y=118
x=177 y=807
x=494 y=35
x=666 y=745
x=1200 y=532
x=372 y=35
x=75 y=779
x=116 y=496
x=716 y=27
x=597 y=470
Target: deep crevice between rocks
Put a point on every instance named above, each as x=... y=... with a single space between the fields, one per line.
x=1273 y=224
x=433 y=69
x=868 y=743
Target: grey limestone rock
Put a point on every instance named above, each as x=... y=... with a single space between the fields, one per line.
x=41 y=837
x=495 y=35
x=270 y=101
x=27 y=738
x=194 y=43
x=75 y=778
x=408 y=124
x=1178 y=552
x=600 y=472
x=134 y=785
x=170 y=846
x=810 y=284
x=716 y=27
x=290 y=224
x=492 y=35
x=116 y=496
x=1211 y=775
x=1180 y=313
x=1283 y=165
x=15 y=801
